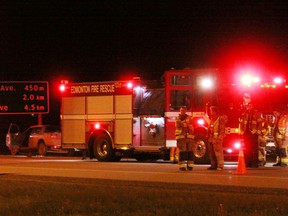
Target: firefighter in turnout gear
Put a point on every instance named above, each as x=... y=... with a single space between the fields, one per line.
x=174 y=154
x=250 y=129
x=279 y=137
x=216 y=134
x=185 y=140
x=262 y=142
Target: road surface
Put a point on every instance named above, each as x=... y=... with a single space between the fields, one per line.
x=268 y=176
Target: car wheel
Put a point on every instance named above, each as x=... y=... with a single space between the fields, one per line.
x=42 y=149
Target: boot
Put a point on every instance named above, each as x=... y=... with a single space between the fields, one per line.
x=278 y=161
x=282 y=155
x=190 y=162
x=182 y=161
x=182 y=166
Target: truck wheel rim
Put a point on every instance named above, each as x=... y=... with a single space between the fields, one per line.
x=102 y=149
x=200 y=149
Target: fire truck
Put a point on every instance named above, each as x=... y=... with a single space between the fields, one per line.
x=268 y=93
x=136 y=118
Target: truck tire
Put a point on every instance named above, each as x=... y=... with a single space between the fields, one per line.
x=200 y=150
x=102 y=148
x=42 y=148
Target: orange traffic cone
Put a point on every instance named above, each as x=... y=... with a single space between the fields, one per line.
x=241 y=169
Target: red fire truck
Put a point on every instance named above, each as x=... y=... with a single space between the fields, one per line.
x=268 y=93
x=136 y=118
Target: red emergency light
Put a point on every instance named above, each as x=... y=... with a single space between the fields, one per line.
x=248 y=80
x=97 y=125
x=62 y=86
x=207 y=83
x=200 y=121
x=237 y=145
x=278 y=80
x=130 y=85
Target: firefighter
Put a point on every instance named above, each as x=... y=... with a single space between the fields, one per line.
x=250 y=129
x=279 y=137
x=262 y=142
x=216 y=134
x=174 y=154
x=185 y=138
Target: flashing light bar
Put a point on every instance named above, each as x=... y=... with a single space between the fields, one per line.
x=247 y=80
x=278 y=80
x=268 y=85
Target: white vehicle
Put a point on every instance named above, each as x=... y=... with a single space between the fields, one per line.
x=38 y=138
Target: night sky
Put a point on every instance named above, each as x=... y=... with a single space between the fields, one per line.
x=108 y=40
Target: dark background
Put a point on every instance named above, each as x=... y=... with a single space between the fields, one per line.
x=102 y=40
x=108 y=40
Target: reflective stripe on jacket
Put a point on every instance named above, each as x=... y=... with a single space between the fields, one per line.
x=184 y=127
x=280 y=127
x=254 y=122
x=217 y=128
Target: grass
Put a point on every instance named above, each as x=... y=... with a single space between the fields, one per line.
x=37 y=195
